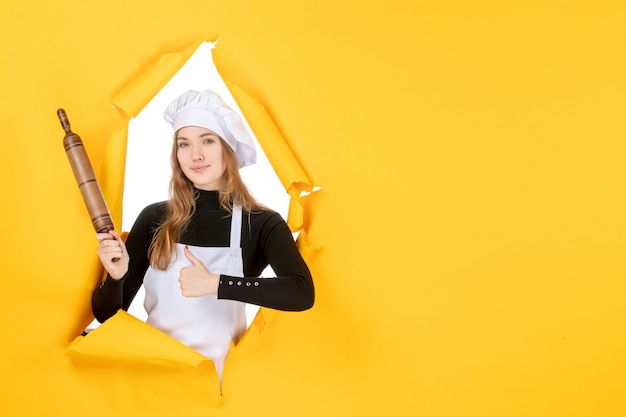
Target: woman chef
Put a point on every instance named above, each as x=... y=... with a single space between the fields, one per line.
x=200 y=253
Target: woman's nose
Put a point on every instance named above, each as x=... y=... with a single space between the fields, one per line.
x=196 y=154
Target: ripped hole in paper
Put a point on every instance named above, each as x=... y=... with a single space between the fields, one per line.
x=149 y=145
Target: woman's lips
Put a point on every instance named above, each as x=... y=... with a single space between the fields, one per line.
x=199 y=168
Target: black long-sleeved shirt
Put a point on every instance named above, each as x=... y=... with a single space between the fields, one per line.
x=265 y=240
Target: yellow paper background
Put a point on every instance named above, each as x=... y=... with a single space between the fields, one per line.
x=470 y=227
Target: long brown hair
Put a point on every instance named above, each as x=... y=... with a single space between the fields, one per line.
x=182 y=204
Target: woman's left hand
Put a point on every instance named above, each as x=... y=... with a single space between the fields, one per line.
x=196 y=280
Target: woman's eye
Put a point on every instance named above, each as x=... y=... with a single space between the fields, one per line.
x=208 y=141
x=182 y=145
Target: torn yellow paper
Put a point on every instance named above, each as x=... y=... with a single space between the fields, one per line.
x=131 y=99
x=472 y=158
x=284 y=162
x=112 y=176
x=125 y=338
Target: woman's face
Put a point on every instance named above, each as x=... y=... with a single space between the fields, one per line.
x=199 y=153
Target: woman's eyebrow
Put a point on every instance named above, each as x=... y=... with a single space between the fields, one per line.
x=203 y=135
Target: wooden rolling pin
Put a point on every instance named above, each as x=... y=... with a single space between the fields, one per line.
x=85 y=177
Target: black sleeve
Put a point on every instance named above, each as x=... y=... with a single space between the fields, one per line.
x=291 y=290
x=113 y=295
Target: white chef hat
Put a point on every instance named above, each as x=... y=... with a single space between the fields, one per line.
x=207 y=109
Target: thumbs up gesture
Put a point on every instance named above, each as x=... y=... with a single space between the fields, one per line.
x=196 y=280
